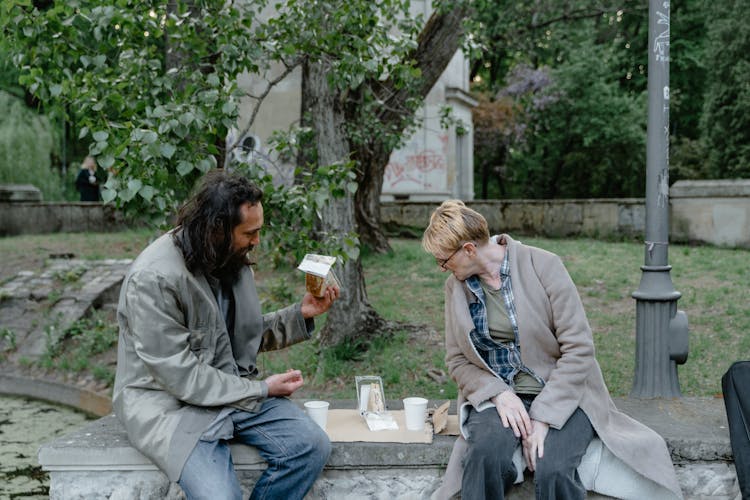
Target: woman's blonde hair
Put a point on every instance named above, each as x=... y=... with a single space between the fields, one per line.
x=89 y=161
x=453 y=224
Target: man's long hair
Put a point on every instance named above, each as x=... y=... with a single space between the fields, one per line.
x=205 y=222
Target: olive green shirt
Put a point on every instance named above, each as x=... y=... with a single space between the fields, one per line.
x=501 y=331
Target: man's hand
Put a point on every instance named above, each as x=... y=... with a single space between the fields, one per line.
x=533 y=444
x=313 y=306
x=284 y=384
x=513 y=413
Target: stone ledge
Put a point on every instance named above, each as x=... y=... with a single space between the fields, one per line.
x=717 y=188
x=695 y=430
x=19 y=193
x=103 y=445
x=96 y=460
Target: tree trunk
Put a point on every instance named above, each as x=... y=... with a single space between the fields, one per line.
x=367 y=198
x=485 y=178
x=437 y=43
x=352 y=316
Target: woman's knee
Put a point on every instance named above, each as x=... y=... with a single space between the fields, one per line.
x=549 y=473
x=490 y=453
x=488 y=436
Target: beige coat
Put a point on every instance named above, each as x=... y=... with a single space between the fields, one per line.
x=177 y=366
x=557 y=344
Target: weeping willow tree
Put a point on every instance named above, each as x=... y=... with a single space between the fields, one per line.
x=27 y=143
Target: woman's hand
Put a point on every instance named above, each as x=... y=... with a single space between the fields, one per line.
x=513 y=413
x=533 y=444
x=313 y=306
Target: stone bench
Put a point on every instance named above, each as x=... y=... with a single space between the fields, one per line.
x=96 y=461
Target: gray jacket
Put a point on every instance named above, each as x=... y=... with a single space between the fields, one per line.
x=177 y=366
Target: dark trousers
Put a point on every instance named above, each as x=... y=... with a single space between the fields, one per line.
x=488 y=465
x=735 y=385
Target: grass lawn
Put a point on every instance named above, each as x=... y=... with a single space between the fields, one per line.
x=406 y=286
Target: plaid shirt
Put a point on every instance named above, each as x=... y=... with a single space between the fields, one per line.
x=502 y=358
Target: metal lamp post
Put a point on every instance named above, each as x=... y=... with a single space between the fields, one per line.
x=661 y=330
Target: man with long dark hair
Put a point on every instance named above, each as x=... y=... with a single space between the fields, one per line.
x=190 y=331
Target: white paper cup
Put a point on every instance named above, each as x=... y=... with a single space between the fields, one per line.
x=318 y=411
x=415 y=410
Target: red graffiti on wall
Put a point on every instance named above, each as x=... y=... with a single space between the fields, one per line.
x=414 y=168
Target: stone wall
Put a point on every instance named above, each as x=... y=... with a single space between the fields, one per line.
x=556 y=218
x=48 y=217
x=715 y=212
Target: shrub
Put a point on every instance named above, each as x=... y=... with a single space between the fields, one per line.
x=27 y=143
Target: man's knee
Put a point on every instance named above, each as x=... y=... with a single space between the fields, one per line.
x=318 y=446
x=324 y=447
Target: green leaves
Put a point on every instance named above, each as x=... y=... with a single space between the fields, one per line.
x=100 y=136
x=184 y=167
x=292 y=211
x=564 y=108
x=167 y=150
x=584 y=137
x=27 y=142
x=725 y=121
x=152 y=88
x=106 y=161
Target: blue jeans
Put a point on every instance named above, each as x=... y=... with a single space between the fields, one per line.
x=294 y=447
x=488 y=465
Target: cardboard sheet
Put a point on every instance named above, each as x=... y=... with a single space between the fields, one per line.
x=349 y=426
x=444 y=424
x=451 y=427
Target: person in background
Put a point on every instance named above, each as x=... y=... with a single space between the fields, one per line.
x=86 y=181
x=190 y=330
x=519 y=346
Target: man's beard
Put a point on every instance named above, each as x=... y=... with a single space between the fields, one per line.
x=230 y=267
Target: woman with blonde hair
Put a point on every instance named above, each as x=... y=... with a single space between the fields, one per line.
x=519 y=346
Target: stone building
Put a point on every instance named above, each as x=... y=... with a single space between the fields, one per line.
x=435 y=163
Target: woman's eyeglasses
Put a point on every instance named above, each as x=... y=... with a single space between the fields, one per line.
x=443 y=262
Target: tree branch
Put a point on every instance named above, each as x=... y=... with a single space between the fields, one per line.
x=288 y=68
x=582 y=14
x=437 y=43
